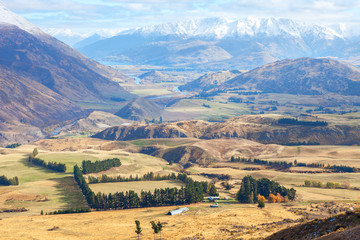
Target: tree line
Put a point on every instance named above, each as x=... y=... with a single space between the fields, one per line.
x=191 y=193
x=294 y=121
x=218 y=176
x=55 y=166
x=69 y=211
x=284 y=164
x=251 y=188
x=4 y=181
x=334 y=185
x=14 y=145
x=150 y=176
x=301 y=143
x=99 y=166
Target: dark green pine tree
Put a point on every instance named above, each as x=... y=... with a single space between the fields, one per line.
x=138 y=228
x=212 y=190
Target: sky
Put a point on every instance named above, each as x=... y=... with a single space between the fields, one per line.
x=83 y=16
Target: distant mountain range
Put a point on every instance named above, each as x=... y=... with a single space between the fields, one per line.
x=308 y=76
x=42 y=79
x=216 y=43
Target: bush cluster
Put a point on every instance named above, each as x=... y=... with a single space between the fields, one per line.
x=4 y=181
x=250 y=188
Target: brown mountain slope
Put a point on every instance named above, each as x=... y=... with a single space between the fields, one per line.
x=301 y=76
x=330 y=228
x=140 y=109
x=259 y=128
x=30 y=102
x=55 y=65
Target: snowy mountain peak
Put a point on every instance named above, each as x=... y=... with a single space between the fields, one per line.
x=9 y=18
x=218 y=28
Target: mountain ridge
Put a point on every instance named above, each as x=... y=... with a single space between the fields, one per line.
x=301 y=76
x=222 y=44
x=43 y=80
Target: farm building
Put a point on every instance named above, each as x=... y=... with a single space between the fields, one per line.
x=212 y=199
x=178 y=211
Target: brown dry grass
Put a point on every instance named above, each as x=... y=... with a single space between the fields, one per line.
x=70 y=144
x=201 y=221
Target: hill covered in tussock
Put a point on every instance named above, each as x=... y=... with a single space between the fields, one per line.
x=259 y=128
x=155 y=76
x=209 y=81
x=343 y=226
x=184 y=129
x=140 y=109
x=307 y=76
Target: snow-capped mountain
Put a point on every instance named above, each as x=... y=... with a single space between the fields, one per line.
x=219 y=28
x=220 y=43
x=76 y=39
x=9 y=18
x=66 y=35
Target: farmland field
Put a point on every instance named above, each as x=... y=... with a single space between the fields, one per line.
x=41 y=189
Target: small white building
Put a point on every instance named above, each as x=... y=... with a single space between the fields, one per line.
x=178 y=211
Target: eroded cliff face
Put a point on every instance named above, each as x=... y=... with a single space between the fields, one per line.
x=256 y=128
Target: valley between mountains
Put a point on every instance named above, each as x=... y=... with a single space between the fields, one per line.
x=262 y=115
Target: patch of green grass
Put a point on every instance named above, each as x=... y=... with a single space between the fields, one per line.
x=39 y=188
x=69 y=193
x=218 y=110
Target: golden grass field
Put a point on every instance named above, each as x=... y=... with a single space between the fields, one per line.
x=41 y=189
x=200 y=221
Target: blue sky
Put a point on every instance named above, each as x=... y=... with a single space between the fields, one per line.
x=91 y=15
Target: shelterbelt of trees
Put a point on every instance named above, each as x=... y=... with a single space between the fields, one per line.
x=284 y=164
x=191 y=193
x=150 y=176
x=58 y=167
x=99 y=166
x=251 y=188
x=294 y=121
